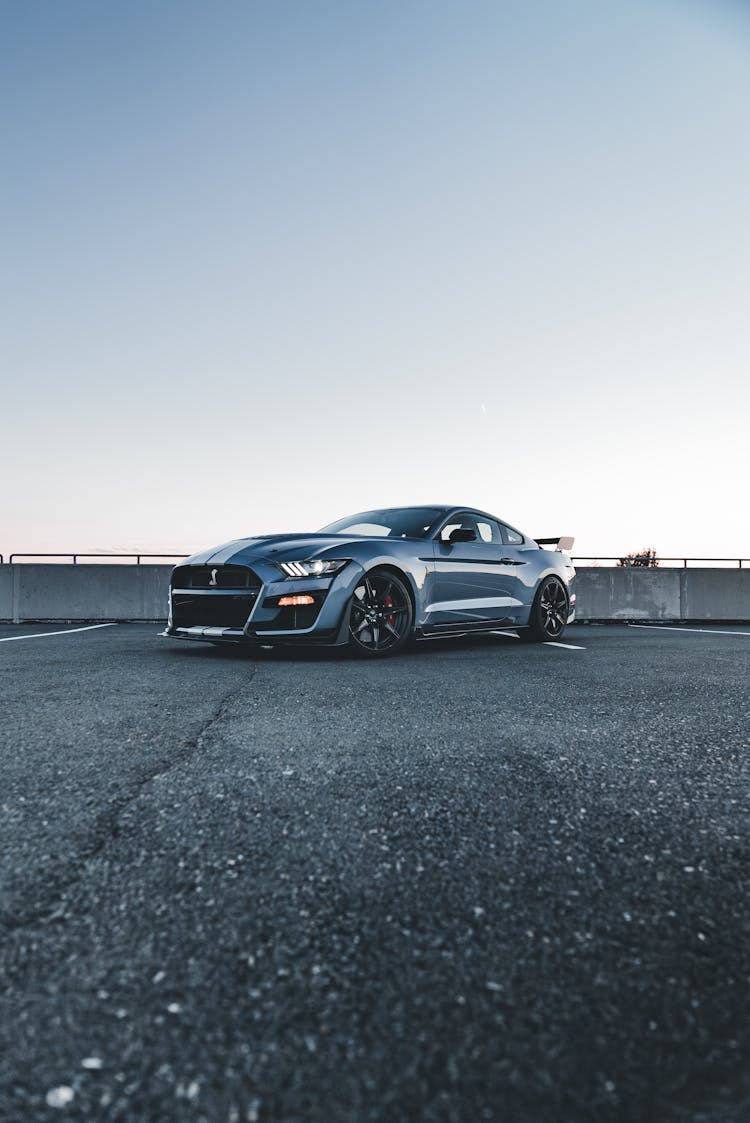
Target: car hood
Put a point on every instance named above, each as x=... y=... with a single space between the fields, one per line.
x=275 y=547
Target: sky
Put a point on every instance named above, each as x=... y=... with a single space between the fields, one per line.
x=268 y=263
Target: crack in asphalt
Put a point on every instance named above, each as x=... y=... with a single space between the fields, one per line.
x=106 y=826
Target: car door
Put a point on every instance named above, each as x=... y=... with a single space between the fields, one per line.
x=476 y=580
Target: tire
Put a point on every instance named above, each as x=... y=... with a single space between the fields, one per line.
x=549 y=613
x=374 y=631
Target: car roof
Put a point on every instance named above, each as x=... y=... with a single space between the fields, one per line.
x=446 y=507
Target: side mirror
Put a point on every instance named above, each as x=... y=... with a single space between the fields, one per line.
x=461 y=535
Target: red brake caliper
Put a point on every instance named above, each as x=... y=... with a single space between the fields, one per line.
x=388 y=603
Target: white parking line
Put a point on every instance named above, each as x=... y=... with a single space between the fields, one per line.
x=548 y=643
x=706 y=631
x=63 y=632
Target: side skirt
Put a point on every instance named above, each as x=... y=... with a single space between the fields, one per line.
x=475 y=626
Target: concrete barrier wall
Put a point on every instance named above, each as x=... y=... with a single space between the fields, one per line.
x=139 y=592
x=83 y=592
x=663 y=594
x=6 y=592
x=716 y=594
x=628 y=594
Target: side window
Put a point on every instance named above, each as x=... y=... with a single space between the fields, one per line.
x=489 y=531
x=459 y=522
x=512 y=537
x=486 y=530
x=445 y=533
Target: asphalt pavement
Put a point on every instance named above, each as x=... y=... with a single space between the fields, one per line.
x=481 y=880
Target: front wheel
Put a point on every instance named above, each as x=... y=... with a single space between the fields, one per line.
x=380 y=615
x=549 y=613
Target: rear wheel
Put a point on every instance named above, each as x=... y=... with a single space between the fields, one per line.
x=380 y=615
x=549 y=613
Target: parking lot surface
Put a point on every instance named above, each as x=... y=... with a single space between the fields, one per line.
x=479 y=881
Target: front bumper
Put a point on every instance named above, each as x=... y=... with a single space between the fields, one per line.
x=266 y=624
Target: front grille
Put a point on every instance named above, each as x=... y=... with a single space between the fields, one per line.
x=211 y=610
x=214 y=577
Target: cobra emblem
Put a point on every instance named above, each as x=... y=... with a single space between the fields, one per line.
x=213 y=580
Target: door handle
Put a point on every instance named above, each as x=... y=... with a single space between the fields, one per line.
x=511 y=561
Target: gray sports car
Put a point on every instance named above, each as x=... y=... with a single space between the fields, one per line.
x=376 y=580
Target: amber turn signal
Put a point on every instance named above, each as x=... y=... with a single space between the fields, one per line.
x=294 y=602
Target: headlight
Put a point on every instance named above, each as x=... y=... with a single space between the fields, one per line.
x=314 y=568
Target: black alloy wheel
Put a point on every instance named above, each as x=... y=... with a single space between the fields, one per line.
x=549 y=612
x=380 y=617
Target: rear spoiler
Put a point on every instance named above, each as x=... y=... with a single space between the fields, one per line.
x=563 y=544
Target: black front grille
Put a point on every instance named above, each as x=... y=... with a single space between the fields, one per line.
x=214 y=577
x=211 y=610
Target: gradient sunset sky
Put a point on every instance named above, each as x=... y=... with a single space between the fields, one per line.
x=268 y=263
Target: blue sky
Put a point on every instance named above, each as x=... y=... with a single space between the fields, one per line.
x=268 y=263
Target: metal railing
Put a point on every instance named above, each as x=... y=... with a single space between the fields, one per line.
x=75 y=557
x=634 y=563
x=637 y=563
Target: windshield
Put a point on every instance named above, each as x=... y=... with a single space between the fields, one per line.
x=393 y=522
